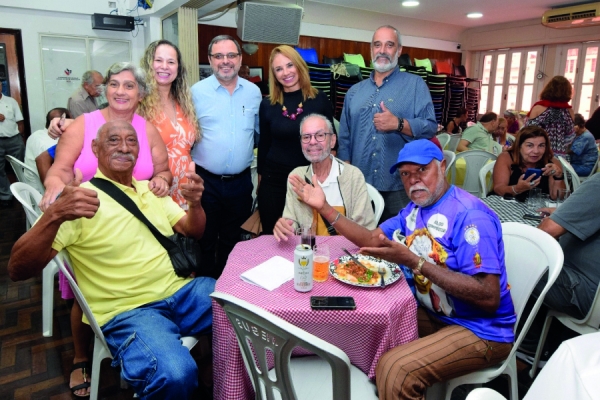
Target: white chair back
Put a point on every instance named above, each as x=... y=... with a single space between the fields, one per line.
x=453 y=142
x=444 y=138
x=449 y=156
x=18 y=167
x=484 y=393
x=484 y=180
x=29 y=199
x=475 y=160
x=282 y=338
x=377 y=200
x=540 y=252
x=571 y=178
x=588 y=324
x=101 y=350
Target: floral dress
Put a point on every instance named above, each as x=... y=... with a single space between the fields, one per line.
x=558 y=123
x=179 y=138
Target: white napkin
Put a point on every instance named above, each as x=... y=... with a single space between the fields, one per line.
x=271 y=274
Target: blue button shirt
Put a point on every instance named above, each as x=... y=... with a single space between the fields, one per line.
x=228 y=122
x=372 y=151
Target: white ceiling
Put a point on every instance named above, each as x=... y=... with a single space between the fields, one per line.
x=455 y=11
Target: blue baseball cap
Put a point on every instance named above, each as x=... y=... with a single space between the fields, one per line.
x=418 y=152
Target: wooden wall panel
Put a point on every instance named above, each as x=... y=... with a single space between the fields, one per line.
x=324 y=46
x=13 y=66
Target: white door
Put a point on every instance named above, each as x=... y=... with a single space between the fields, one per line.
x=578 y=65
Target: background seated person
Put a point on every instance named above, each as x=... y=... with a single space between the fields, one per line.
x=512 y=121
x=531 y=150
x=125 y=274
x=479 y=136
x=582 y=151
x=454 y=248
x=343 y=184
x=44 y=161
x=454 y=125
x=37 y=143
x=500 y=135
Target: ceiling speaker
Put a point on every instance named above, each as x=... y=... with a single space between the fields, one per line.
x=269 y=22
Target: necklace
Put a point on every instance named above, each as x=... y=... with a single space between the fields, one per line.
x=293 y=116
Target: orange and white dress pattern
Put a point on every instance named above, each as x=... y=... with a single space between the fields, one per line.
x=179 y=139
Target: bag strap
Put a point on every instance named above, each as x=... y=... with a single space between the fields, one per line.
x=117 y=194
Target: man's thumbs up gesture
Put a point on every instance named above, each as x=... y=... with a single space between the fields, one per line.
x=385 y=121
x=75 y=202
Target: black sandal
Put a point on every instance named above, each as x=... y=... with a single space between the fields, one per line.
x=86 y=369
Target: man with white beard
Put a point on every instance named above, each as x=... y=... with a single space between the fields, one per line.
x=383 y=113
x=455 y=251
x=343 y=184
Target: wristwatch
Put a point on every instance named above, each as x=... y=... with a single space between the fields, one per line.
x=400 y=124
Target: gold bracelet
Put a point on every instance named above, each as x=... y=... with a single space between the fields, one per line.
x=420 y=265
x=163 y=178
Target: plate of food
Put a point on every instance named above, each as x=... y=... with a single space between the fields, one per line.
x=344 y=269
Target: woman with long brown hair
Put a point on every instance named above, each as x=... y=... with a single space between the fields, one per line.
x=291 y=98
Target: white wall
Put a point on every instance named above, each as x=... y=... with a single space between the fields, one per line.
x=32 y=23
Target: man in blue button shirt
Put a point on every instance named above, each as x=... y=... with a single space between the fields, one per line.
x=383 y=113
x=227 y=110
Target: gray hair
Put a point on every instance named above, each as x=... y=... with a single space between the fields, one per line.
x=220 y=38
x=321 y=117
x=392 y=28
x=88 y=77
x=138 y=73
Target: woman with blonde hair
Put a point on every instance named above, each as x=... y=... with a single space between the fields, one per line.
x=291 y=98
x=169 y=108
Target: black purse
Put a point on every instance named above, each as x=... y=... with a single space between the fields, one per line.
x=181 y=249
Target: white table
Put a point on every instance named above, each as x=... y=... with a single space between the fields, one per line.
x=573 y=372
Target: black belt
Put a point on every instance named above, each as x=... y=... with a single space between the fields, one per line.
x=222 y=177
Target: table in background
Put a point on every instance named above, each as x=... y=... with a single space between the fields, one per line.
x=509 y=210
x=383 y=319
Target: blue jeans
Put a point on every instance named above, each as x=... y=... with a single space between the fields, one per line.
x=9 y=146
x=146 y=341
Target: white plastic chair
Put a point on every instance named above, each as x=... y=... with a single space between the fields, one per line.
x=296 y=378
x=29 y=199
x=583 y=178
x=588 y=324
x=449 y=156
x=571 y=177
x=444 y=138
x=101 y=350
x=18 y=167
x=484 y=180
x=377 y=200
x=453 y=143
x=484 y=394
x=524 y=245
x=475 y=160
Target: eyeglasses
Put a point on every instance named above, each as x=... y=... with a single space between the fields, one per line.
x=319 y=137
x=230 y=56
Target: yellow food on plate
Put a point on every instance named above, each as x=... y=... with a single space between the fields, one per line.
x=352 y=272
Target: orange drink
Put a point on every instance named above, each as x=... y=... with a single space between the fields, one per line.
x=320 y=263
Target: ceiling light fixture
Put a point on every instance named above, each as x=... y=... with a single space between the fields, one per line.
x=250 y=48
x=410 y=3
x=474 y=15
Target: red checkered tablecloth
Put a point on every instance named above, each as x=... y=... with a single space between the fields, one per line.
x=383 y=319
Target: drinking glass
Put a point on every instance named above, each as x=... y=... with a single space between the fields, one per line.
x=546 y=201
x=321 y=263
x=563 y=194
x=305 y=235
x=534 y=199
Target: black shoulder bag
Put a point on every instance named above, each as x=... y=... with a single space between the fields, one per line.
x=181 y=249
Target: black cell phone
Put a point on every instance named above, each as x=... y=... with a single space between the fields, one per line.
x=332 y=303
x=533 y=171
x=308 y=181
x=534 y=217
x=508 y=197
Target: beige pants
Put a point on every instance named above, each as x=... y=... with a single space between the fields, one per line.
x=443 y=352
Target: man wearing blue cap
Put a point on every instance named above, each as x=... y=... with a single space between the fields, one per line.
x=455 y=251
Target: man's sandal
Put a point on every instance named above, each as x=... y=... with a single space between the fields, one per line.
x=86 y=368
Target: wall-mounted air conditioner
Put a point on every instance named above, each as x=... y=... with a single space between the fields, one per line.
x=269 y=22
x=572 y=17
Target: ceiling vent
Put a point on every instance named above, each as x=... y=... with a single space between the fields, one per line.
x=264 y=22
x=572 y=17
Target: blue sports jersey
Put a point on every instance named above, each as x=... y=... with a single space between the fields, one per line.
x=461 y=233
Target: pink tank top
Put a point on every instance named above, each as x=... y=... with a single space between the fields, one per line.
x=87 y=161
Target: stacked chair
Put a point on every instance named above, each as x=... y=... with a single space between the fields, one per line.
x=320 y=77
